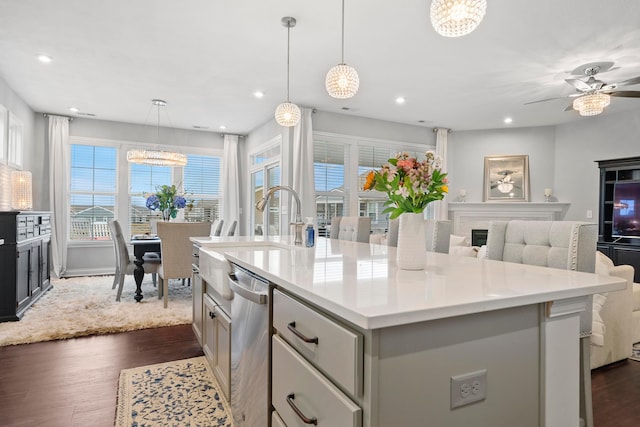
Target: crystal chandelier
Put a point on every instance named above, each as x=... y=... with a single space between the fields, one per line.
x=456 y=18
x=591 y=104
x=156 y=157
x=342 y=80
x=287 y=113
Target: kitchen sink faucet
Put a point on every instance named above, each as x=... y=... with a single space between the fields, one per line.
x=298 y=221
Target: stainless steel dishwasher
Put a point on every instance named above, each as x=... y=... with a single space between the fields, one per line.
x=250 y=341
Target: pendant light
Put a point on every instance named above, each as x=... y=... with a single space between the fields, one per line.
x=456 y=18
x=156 y=157
x=288 y=113
x=342 y=81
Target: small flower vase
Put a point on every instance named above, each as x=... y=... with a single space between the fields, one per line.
x=166 y=214
x=411 y=253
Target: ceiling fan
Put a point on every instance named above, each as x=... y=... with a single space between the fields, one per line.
x=593 y=95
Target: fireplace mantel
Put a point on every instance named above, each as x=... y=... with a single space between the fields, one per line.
x=477 y=215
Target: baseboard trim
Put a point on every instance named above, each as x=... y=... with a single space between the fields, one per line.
x=88 y=272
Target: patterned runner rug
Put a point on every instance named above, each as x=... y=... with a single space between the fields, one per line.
x=182 y=393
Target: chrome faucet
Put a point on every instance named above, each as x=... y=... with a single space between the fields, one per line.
x=298 y=221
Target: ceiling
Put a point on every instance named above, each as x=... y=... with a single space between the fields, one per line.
x=206 y=58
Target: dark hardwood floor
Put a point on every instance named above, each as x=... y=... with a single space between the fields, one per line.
x=74 y=382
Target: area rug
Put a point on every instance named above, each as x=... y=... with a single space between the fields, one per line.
x=82 y=306
x=182 y=393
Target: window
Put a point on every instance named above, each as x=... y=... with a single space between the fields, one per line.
x=265 y=173
x=93 y=190
x=371 y=203
x=201 y=183
x=143 y=180
x=329 y=160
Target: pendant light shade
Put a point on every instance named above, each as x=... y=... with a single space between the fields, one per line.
x=287 y=114
x=456 y=18
x=342 y=81
x=592 y=104
x=156 y=157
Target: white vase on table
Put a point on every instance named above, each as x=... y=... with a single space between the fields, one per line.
x=411 y=252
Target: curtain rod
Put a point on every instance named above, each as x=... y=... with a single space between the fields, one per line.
x=437 y=129
x=57 y=115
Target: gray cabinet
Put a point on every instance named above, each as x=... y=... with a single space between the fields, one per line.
x=198 y=294
x=24 y=261
x=216 y=342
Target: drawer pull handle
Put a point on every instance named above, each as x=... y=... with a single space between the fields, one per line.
x=292 y=327
x=299 y=413
x=212 y=315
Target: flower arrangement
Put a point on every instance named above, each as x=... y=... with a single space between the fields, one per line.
x=167 y=200
x=411 y=185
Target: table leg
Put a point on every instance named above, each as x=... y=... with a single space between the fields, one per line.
x=138 y=274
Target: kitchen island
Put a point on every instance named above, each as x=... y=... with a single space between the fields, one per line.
x=466 y=341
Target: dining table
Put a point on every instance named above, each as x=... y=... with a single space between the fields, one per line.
x=141 y=245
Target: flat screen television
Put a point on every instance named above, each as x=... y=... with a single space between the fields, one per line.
x=626 y=209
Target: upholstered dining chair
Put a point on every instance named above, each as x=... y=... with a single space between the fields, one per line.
x=176 y=251
x=334 y=231
x=232 y=228
x=437 y=234
x=566 y=245
x=216 y=227
x=354 y=228
x=124 y=262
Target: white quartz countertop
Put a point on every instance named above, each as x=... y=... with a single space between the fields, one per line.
x=361 y=283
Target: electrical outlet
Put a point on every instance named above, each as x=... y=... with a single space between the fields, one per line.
x=589 y=214
x=468 y=388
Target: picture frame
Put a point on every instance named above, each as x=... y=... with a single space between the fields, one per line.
x=506 y=178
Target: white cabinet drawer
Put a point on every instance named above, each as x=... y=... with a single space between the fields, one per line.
x=297 y=385
x=276 y=421
x=338 y=351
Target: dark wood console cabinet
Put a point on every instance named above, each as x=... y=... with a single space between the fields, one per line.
x=621 y=250
x=25 y=243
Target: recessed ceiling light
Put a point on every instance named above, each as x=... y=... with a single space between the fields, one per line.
x=222 y=127
x=401 y=100
x=74 y=109
x=258 y=94
x=44 y=59
x=508 y=120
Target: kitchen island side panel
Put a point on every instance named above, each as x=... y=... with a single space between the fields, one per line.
x=416 y=362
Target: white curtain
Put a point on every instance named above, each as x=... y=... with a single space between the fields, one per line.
x=58 y=183
x=302 y=160
x=442 y=206
x=230 y=182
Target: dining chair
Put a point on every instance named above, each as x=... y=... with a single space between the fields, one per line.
x=567 y=245
x=124 y=261
x=216 y=227
x=335 y=227
x=176 y=251
x=232 y=228
x=354 y=228
x=438 y=234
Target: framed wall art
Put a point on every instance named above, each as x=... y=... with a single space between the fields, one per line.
x=506 y=178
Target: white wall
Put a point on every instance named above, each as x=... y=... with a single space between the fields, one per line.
x=33 y=156
x=466 y=152
x=579 y=145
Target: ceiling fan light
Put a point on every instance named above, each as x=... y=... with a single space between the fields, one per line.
x=592 y=104
x=342 y=81
x=456 y=18
x=287 y=114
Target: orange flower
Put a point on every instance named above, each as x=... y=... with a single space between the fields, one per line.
x=371 y=179
x=445 y=188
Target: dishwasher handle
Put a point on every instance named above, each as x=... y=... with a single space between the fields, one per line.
x=256 y=297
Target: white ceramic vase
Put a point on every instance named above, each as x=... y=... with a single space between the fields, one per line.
x=411 y=253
